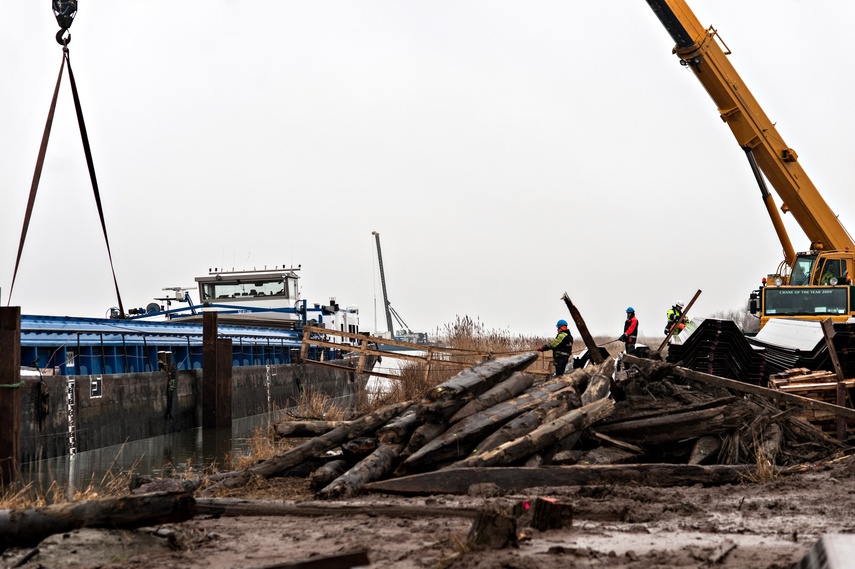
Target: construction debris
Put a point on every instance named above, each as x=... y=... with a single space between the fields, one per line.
x=652 y=423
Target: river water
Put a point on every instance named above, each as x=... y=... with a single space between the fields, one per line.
x=179 y=453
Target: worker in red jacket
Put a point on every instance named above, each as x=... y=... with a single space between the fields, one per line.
x=630 y=330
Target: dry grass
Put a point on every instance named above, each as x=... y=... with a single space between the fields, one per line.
x=31 y=495
x=766 y=470
x=316 y=405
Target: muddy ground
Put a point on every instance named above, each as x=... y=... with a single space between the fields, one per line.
x=768 y=525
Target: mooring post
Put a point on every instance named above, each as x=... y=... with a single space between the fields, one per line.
x=10 y=394
x=216 y=375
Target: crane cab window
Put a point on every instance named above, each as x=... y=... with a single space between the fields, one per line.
x=802 y=269
x=832 y=272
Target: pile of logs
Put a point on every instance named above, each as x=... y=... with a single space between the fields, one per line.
x=495 y=426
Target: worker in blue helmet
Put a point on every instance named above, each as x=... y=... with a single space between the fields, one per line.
x=630 y=330
x=561 y=346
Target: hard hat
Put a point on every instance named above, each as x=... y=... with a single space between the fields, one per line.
x=561 y=323
x=680 y=304
x=630 y=309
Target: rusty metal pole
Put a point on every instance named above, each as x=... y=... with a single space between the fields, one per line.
x=216 y=375
x=10 y=394
x=224 y=383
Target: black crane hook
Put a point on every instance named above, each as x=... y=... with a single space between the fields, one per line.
x=64 y=12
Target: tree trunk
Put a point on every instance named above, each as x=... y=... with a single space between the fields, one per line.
x=313 y=447
x=493 y=530
x=600 y=383
x=446 y=399
x=323 y=476
x=26 y=528
x=458 y=441
x=511 y=387
x=550 y=410
x=705 y=450
x=542 y=437
x=399 y=429
x=379 y=463
x=549 y=513
x=305 y=428
x=422 y=436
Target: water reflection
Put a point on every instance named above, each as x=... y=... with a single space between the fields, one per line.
x=176 y=453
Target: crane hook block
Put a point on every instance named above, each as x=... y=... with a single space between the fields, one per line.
x=64 y=12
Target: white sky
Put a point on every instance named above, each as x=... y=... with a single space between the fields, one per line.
x=507 y=152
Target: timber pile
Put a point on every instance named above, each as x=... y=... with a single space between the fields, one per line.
x=651 y=423
x=817 y=385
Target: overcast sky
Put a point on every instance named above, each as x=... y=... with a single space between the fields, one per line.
x=507 y=152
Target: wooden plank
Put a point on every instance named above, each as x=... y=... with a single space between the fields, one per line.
x=458 y=481
x=593 y=349
x=386 y=342
x=680 y=321
x=773 y=394
x=816 y=386
x=233 y=507
x=840 y=392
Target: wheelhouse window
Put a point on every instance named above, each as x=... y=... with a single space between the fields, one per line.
x=240 y=289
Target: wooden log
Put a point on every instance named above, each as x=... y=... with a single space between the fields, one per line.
x=398 y=430
x=705 y=450
x=516 y=384
x=615 y=442
x=492 y=529
x=542 y=437
x=600 y=383
x=358 y=558
x=324 y=475
x=443 y=401
x=313 y=447
x=549 y=410
x=27 y=528
x=549 y=513
x=459 y=440
x=519 y=478
x=593 y=349
x=233 y=507
x=307 y=429
x=356 y=449
x=374 y=467
x=677 y=426
x=609 y=455
x=422 y=436
x=567 y=457
x=770 y=442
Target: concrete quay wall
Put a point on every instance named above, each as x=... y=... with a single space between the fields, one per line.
x=64 y=415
